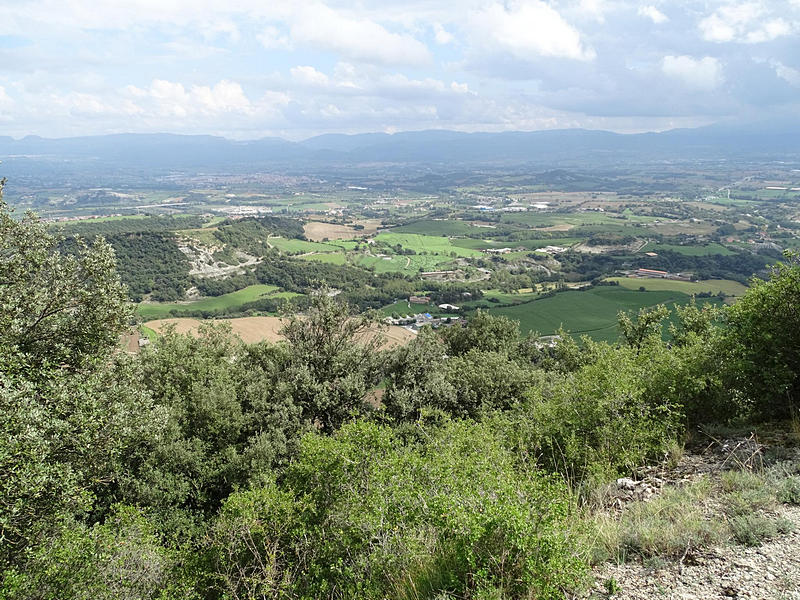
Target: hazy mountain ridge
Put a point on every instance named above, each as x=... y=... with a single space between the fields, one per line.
x=173 y=151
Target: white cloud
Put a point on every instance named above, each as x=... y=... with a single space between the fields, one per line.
x=226 y=96
x=355 y=38
x=652 y=13
x=531 y=28
x=748 y=22
x=350 y=80
x=309 y=76
x=171 y=99
x=5 y=99
x=768 y=31
x=788 y=74
x=594 y=9
x=700 y=74
x=272 y=37
x=441 y=35
x=68 y=62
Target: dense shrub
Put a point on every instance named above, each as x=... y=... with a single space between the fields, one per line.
x=763 y=338
x=598 y=421
x=122 y=559
x=361 y=514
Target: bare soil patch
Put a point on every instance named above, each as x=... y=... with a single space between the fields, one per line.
x=256 y=329
x=559 y=227
x=318 y=231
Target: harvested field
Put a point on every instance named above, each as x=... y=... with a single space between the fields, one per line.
x=559 y=227
x=317 y=231
x=257 y=329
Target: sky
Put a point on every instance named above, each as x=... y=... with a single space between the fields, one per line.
x=255 y=68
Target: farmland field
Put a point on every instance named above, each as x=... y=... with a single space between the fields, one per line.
x=332 y=258
x=204 y=235
x=437 y=227
x=317 y=231
x=482 y=244
x=398 y=263
x=425 y=243
x=257 y=329
x=249 y=294
x=713 y=286
x=297 y=246
x=593 y=312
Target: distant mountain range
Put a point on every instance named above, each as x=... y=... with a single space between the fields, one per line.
x=567 y=146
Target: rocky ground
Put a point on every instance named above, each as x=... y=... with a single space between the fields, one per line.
x=767 y=572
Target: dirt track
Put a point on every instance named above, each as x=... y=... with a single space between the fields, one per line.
x=257 y=329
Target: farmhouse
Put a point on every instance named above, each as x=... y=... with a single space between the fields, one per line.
x=419 y=299
x=652 y=273
x=497 y=250
x=553 y=249
x=448 y=307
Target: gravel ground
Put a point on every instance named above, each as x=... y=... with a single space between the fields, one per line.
x=769 y=572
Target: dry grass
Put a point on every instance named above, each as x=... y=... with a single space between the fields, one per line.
x=317 y=231
x=257 y=329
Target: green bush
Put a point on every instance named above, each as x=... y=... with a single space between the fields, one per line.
x=119 y=560
x=788 y=490
x=763 y=334
x=361 y=514
x=753 y=529
x=598 y=422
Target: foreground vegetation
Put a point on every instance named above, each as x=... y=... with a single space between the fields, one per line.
x=207 y=468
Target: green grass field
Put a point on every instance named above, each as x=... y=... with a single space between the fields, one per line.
x=300 y=246
x=425 y=243
x=713 y=286
x=483 y=244
x=706 y=250
x=331 y=258
x=434 y=227
x=398 y=263
x=548 y=219
x=491 y=299
x=148 y=333
x=204 y=235
x=476 y=244
x=536 y=244
x=510 y=298
x=593 y=312
x=249 y=294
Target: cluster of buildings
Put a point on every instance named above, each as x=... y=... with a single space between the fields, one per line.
x=415 y=322
x=243 y=211
x=514 y=207
x=656 y=274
